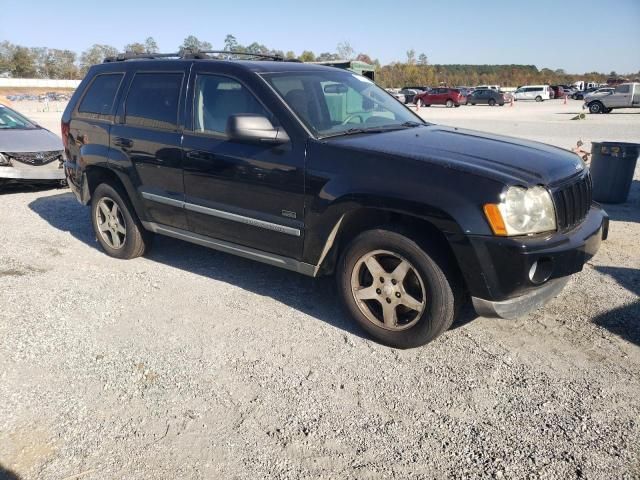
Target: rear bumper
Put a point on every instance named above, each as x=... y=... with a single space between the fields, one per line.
x=508 y=277
x=77 y=181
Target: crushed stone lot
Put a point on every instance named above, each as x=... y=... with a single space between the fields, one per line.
x=190 y=363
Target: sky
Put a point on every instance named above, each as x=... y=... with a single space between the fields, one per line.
x=577 y=36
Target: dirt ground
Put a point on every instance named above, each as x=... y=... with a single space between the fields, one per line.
x=190 y=363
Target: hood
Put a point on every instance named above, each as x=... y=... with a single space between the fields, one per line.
x=507 y=159
x=33 y=140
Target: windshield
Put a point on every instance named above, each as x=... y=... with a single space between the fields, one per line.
x=339 y=102
x=10 y=119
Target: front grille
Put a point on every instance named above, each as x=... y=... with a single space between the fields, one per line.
x=573 y=202
x=36 y=158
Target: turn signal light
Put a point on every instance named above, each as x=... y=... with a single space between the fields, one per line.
x=494 y=217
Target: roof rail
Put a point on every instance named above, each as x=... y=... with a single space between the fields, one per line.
x=197 y=54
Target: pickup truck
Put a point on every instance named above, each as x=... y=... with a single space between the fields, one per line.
x=625 y=95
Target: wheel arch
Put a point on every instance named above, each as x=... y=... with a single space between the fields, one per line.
x=427 y=231
x=97 y=174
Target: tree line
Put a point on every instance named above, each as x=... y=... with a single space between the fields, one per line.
x=42 y=62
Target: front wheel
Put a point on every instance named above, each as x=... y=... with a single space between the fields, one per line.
x=596 y=107
x=401 y=294
x=116 y=225
x=449 y=103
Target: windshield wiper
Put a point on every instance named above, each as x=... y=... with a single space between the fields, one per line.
x=376 y=129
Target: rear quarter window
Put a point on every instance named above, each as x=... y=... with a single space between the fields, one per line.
x=100 y=95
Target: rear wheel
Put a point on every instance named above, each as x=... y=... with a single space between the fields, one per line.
x=449 y=103
x=116 y=225
x=400 y=293
x=538 y=98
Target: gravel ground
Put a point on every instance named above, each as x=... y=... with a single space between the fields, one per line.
x=195 y=364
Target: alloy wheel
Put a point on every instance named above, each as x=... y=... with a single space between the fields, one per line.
x=111 y=223
x=388 y=290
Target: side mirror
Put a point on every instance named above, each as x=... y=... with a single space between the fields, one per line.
x=249 y=127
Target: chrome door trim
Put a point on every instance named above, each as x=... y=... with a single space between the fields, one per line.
x=234 y=217
x=234 y=249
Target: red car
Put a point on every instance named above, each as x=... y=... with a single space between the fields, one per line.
x=451 y=97
x=558 y=91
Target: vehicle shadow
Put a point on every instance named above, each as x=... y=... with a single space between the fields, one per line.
x=24 y=187
x=6 y=474
x=315 y=297
x=628 y=211
x=623 y=321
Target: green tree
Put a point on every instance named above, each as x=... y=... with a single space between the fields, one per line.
x=422 y=59
x=192 y=43
x=150 y=45
x=61 y=64
x=23 y=63
x=231 y=43
x=290 y=55
x=6 y=56
x=135 y=47
x=95 y=54
x=307 y=56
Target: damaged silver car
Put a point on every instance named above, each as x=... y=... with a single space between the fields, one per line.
x=28 y=152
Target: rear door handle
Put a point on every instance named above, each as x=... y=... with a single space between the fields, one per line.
x=123 y=142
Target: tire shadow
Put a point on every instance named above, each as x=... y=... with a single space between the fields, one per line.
x=316 y=297
x=6 y=474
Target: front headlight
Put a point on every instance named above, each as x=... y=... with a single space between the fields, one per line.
x=4 y=161
x=522 y=211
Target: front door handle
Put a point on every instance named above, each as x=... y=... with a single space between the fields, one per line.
x=123 y=142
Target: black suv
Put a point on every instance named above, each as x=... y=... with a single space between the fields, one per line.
x=318 y=170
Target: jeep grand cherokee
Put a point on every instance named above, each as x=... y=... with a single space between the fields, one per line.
x=318 y=170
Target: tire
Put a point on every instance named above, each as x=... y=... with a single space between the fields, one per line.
x=473 y=104
x=457 y=105
x=430 y=272
x=501 y=104
x=135 y=241
x=449 y=103
x=492 y=102
x=538 y=98
x=596 y=107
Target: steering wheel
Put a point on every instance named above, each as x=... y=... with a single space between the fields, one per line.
x=351 y=117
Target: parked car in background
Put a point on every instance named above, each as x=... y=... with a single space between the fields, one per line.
x=488 y=87
x=486 y=97
x=466 y=91
x=579 y=95
x=27 y=150
x=538 y=93
x=273 y=161
x=396 y=94
x=450 y=97
x=625 y=95
x=411 y=92
x=558 y=91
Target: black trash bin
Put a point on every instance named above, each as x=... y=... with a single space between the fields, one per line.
x=612 y=167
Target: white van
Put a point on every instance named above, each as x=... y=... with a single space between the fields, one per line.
x=538 y=93
x=488 y=87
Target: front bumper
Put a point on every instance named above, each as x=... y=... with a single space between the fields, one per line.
x=498 y=270
x=21 y=171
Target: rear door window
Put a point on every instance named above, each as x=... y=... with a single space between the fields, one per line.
x=153 y=100
x=99 y=98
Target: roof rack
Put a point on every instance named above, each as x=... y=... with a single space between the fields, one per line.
x=195 y=54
